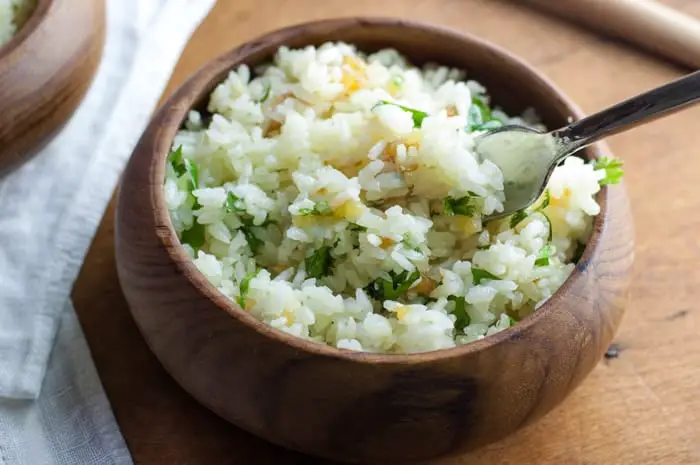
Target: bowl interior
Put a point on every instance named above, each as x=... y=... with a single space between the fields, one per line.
x=513 y=85
x=28 y=19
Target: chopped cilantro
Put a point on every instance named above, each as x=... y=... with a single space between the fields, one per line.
x=321 y=208
x=418 y=116
x=176 y=160
x=319 y=263
x=193 y=173
x=231 y=205
x=546 y=201
x=382 y=289
x=266 y=93
x=549 y=224
x=479 y=275
x=517 y=217
x=613 y=170
x=461 y=206
x=543 y=255
x=480 y=117
x=512 y=321
x=357 y=227
x=195 y=236
x=245 y=284
x=460 y=311
x=253 y=242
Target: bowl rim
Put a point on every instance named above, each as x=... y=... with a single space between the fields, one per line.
x=36 y=17
x=174 y=111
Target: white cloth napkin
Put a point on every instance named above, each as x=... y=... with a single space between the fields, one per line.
x=50 y=208
x=49 y=211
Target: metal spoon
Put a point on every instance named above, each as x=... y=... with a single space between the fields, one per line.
x=527 y=157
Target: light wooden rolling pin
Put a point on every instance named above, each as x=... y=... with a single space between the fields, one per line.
x=645 y=23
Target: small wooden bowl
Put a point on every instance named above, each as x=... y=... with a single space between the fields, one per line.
x=359 y=407
x=45 y=70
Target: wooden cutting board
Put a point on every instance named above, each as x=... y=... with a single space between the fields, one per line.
x=642 y=407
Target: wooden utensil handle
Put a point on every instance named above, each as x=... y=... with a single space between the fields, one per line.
x=646 y=23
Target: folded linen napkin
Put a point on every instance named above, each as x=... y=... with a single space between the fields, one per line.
x=50 y=208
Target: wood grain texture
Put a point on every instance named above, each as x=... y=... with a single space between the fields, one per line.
x=364 y=407
x=45 y=70
x=638 y=409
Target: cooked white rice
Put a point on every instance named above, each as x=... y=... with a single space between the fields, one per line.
x=10 y=10
x=331 y=214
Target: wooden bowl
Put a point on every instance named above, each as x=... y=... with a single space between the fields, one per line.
x=45 y=70
x=352 y=406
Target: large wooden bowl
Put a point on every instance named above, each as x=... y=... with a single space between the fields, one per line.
x=352 y=406
x=45 y=70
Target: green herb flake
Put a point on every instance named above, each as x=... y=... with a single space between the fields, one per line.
x=613 y=170
x=357 y=227
x=266 y=93
x=546 y=201
x=517 y=218
x=418 y=116
x=319 y=263
x=321 y=208
x=382 y=289
x=512 y=321
x=479 y=275
x=175 y=158
x=480 y=117
x=460 y=311
x=231 y=205
x=460 y=206
x=195 y=236
x=543 y=255
x=245 y=284
x=253 y=242
x=549 y=224
x=193 y=173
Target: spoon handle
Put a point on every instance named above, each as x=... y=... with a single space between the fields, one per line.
x=637 y=110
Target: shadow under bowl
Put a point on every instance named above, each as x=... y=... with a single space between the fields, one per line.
x=360 y=407
x=45 y=71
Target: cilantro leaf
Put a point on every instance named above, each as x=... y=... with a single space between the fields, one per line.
x=543 y=255
x=244 y=286
x=418 y=116
x=321 y=208
x=517 y=217
x=480 y=117
x=460 y=206
x=512 y=321
x=193 y=173
x=479 y=275
x=551 y=229
x=357 y=227
x=460 y=311
x=319 y=263
x=176 y=160
x=195 y=236
x=382 y=289
x=266 y=93
x=546 y=201
x=613 y=170
x=253 y=242
x=231 y=205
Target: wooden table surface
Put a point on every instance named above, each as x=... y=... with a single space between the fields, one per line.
x=642 y=407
